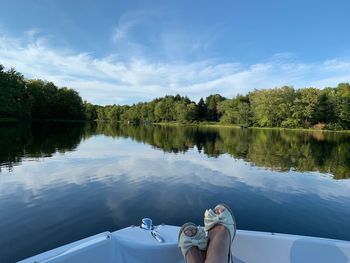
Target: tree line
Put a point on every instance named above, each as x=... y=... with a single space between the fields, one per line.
x=279 y=107
x=37 y=99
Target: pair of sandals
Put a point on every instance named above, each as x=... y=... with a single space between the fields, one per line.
x=200 y=238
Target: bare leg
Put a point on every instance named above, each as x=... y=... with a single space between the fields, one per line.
x=218 y=245
x=204 y=255
x=194 y=255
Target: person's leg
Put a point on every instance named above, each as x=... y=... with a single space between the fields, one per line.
x=219 y=242
x=218 y=245
x=194 y=255
x=204 y=254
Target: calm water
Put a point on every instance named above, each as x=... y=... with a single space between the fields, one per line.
x=63 y=182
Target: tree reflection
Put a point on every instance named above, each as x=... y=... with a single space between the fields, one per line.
x=278 y=150
x=36 y=140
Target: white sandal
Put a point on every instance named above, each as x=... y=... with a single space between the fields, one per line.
x=199 y=240
x=225 y=218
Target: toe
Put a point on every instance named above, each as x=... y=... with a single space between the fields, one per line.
x=219 y=210
x=191 y=231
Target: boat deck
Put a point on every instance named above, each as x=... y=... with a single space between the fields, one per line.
x=136 y=245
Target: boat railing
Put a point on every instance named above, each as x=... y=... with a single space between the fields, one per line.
x=77 y=247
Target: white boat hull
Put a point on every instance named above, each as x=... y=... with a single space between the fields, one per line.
x=136 y=245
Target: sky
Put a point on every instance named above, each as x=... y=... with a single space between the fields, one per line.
x=124 y=52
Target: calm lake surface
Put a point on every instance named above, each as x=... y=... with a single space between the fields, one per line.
x=60 y=182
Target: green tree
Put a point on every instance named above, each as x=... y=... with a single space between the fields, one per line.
x=305 y=107
x=326 y=106
x=201 y=110
x=244 y=115
x=44 y=97
x=14 y=99
x=169 y=104
x=69 y=105
x=342 y=105
x=90 y=111
x=101 y=113
x=160 y=111
x=272 y=107
x=212 y=102
x=50 y=102
x=185 y=112
x=236 y=111
x=262 y=108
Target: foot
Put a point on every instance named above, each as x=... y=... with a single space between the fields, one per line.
x=191 y=236
x=221 y=226
x=190 y=231
x=222 y=215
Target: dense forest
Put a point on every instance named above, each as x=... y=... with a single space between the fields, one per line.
x=278 y=107
x=36 y=99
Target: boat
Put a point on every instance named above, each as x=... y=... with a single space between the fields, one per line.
x=149 y=244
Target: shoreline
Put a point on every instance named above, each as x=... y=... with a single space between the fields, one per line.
x=234 y=126
x=198 y=124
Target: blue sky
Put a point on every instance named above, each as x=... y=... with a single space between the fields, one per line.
x=129 y=51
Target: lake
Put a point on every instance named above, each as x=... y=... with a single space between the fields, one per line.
x=60 y=182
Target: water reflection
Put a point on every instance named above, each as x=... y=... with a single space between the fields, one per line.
x=278 y=150
x=63 y=182
x=36 y=140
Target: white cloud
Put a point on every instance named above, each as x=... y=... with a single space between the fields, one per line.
x=121 y=31
x=111 y=79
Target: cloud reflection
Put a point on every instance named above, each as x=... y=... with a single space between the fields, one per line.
x=105 y=159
